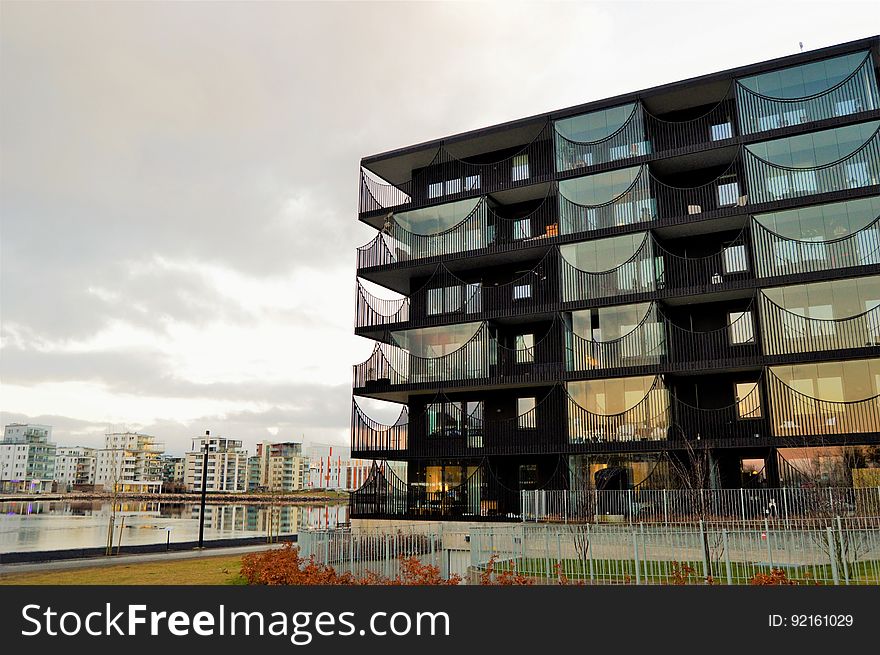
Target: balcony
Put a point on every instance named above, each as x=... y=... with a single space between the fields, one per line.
x=789 y=333
x=812 y=164
x=648 y=419
x=830 y=237
x=797 y=414
x=832 y=88
x=480 y=360
x=481 y=495
x=724 y=269
x=740 y=422
x=459 y=171
x=642 y=347
x=732 y=345
x=483 y=227
x=619 y=267
x=694 y=127
x=446 y=428
x=445 y=297
x=601 y=137
x=622 y=198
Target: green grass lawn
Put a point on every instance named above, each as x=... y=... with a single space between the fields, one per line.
x=623 y=571
x=217 y=570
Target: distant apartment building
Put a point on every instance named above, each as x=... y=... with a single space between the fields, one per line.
x=227 y=469
x=27 y=458
x=278 y=467
x=173 y=473
x=75 y=467
x=129 y=462
x=331 y=467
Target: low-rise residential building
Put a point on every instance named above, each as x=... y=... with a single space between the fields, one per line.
x=75 y=467
x=227 y=467
x=130 y=462
x=27 y=458
x=331 y=467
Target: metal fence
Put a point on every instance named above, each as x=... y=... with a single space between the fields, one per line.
x=832 y=551
x=665 y=505
x=379 y=551
x=835 y=551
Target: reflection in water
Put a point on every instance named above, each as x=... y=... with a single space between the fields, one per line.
x=36 y=525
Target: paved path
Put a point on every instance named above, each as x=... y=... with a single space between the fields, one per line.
x=90 y=562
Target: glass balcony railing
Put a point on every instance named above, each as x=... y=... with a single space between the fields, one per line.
x=817 y=238
x=646 y=419
x=803 y=94
x=809 y=164
x=601 y=137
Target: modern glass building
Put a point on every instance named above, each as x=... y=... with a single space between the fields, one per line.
x=596 y=297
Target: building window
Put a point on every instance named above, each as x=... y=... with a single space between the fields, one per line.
x=522 y=291
x=748 y=400
x=472 y=183
x=435 y=190
x=522 y=229
x=735 y=260
x=525 y=348
x=525 y=414
x=444 y=300
x=520 y=170
x=453 y=186
x=741 y=328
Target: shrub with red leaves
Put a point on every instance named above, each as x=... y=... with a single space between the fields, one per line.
x=285 y=566
x=775 y=577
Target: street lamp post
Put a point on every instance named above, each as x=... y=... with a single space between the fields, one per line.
x=204 y=489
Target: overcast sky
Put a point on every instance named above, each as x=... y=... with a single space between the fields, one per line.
x=179 y=181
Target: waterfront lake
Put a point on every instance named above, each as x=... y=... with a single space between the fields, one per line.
x=32 y=525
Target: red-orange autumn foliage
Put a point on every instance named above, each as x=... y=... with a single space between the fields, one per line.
x=507 y=577
x=285 y=566
x=775 y=577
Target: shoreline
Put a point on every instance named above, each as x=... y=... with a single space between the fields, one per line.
x=329 y=498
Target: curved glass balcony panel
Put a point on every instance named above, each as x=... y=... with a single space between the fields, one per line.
x=726 y=191
x=819 y=162
x=828 y=398
x=623 y=265
x=742 y=419
x=448 y=353
x=448 y=177
x=469 y=230
x=817 y=238
x=620 y=409
x=373 y=311
x=368 y=434
x=610 y=199
x=710 y=125
x=600 y=137
x=834 y=315
x=806 y=93
x=814 y=468
x=615 y=337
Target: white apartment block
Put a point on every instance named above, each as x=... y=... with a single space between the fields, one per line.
x=227 y=468
x=27 y=458
x=75 y=466
x=129 y=462
x=331 y=467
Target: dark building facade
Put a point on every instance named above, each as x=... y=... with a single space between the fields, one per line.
x=679 y=286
